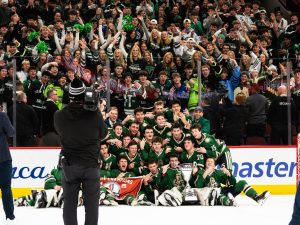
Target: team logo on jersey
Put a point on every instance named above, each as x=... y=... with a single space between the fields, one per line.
x=179 y=181
x=212 y=183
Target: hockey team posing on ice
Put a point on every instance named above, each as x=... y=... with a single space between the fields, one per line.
x=152 y=146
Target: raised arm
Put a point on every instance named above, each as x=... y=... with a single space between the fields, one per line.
x=76 y=41
x=147 y=33
x=122 y=48
x=57 y=42
x=100 y=32
x=106 y=43
x=119 y=27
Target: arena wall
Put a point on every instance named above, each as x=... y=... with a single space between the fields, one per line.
x=265 y=168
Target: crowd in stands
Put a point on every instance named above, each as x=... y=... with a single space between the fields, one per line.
x=144 y=58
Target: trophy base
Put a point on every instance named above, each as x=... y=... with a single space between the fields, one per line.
x=190 y=197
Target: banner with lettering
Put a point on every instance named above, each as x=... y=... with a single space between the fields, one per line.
x=121 y=187
x=275 y=169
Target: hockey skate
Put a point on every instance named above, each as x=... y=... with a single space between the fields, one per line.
x=34 y=193
x=20 y=202
x=260 y=199
x=60 y=199
x=134 y=202
x=142 y=200
x=232 y=200
x=102 y=197
x=170 y=200
x=213 y=198
x=144 y=203
x=156 y=194
x=109 y=202
x=41 y=200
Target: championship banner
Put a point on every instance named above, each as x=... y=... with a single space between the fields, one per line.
x=121 y=187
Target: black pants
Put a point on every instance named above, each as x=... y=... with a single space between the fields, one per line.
x=74 y=178
x=258 y=129
x=278 y=134
x=5 y=186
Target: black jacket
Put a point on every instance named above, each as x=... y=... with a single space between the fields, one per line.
x=277 y=114
x=27 y=120
x=47 y=120
x=6 y=130
x=80 y=132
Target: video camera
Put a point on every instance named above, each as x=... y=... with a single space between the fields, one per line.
x=91 y=99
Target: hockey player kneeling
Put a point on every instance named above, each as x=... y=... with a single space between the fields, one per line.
x=222 y=186
x=172 y=182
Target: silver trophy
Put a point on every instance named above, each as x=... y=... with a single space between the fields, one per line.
x=189 y=194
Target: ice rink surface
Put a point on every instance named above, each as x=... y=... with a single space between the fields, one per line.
x=276 y=211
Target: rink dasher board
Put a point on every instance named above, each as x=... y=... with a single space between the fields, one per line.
x=270 y=168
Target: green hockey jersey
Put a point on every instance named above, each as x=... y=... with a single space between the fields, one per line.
x=162 y=158
x=173 y=143
x=53 y=179
x=196 y=157
x=136 y=160
x=214 y=180
x=213 y=148
x=116 y=173
x=172 y=178
x=109 y=163
x=163 y=133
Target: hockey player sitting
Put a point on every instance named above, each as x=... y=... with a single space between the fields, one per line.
x=221 y=178
x=133 y=158
x=172 y=183
x=122 y=172
x=152 y=176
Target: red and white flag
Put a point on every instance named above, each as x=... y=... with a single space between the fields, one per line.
x=121 y=187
